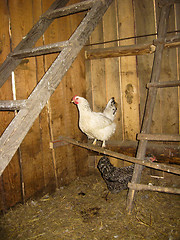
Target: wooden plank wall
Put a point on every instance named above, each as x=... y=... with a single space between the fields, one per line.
x=36 y=168
x=125 y=78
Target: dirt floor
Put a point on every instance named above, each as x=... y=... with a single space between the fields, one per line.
x=82 y=211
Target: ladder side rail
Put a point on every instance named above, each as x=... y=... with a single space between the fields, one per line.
x=28 y=41
x=150 y=103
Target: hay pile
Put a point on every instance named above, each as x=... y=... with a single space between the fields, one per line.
x=83 y=211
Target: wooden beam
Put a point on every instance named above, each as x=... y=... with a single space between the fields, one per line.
x=20 y=125
x=153 y=188
x=12 y=104
x=143 y=162
x=164 y=84
x=46 y=49
x=72 y=9
x=131 y=50
x=159 y=137
x=9 y=65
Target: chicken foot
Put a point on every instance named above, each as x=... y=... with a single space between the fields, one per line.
x=103 y=144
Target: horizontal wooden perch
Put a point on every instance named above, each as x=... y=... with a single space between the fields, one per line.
x=146 y=163
x=136 y=186
x=131 y=50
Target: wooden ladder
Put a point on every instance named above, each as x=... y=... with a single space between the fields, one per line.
x=30 y=109
x=153 y=86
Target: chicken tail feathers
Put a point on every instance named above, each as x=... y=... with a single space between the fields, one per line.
x=110 y=109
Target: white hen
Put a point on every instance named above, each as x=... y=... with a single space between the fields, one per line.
x=96 y=125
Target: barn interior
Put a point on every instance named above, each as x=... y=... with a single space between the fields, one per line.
x=50 y=51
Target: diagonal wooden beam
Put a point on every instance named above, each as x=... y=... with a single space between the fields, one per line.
x=18 y=128
x=28 y=41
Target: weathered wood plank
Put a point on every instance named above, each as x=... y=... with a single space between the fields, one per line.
x=17 y=130
x=139 y=187
x=107 y=152
x=169 y=97
x=72 y=9
x=177 y=20
x=28 y=41
x=10 y=180
x=159 y=137
x=25 y=82
x=47 y=49
x=79 y=159
x=128 y=73
x=46 y=173
x=112 y=70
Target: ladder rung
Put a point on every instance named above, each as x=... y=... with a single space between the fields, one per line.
x=138 y=187
x=159 y=137
x=12 y=104
x=46 y=49
x=164 y=84
x=71 y=9
x=167 y=2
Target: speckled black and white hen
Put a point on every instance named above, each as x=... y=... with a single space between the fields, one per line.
x=115 y=178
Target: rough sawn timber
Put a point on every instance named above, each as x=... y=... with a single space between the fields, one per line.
x=18 y=128
x=46 y=49
x=72 y=9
